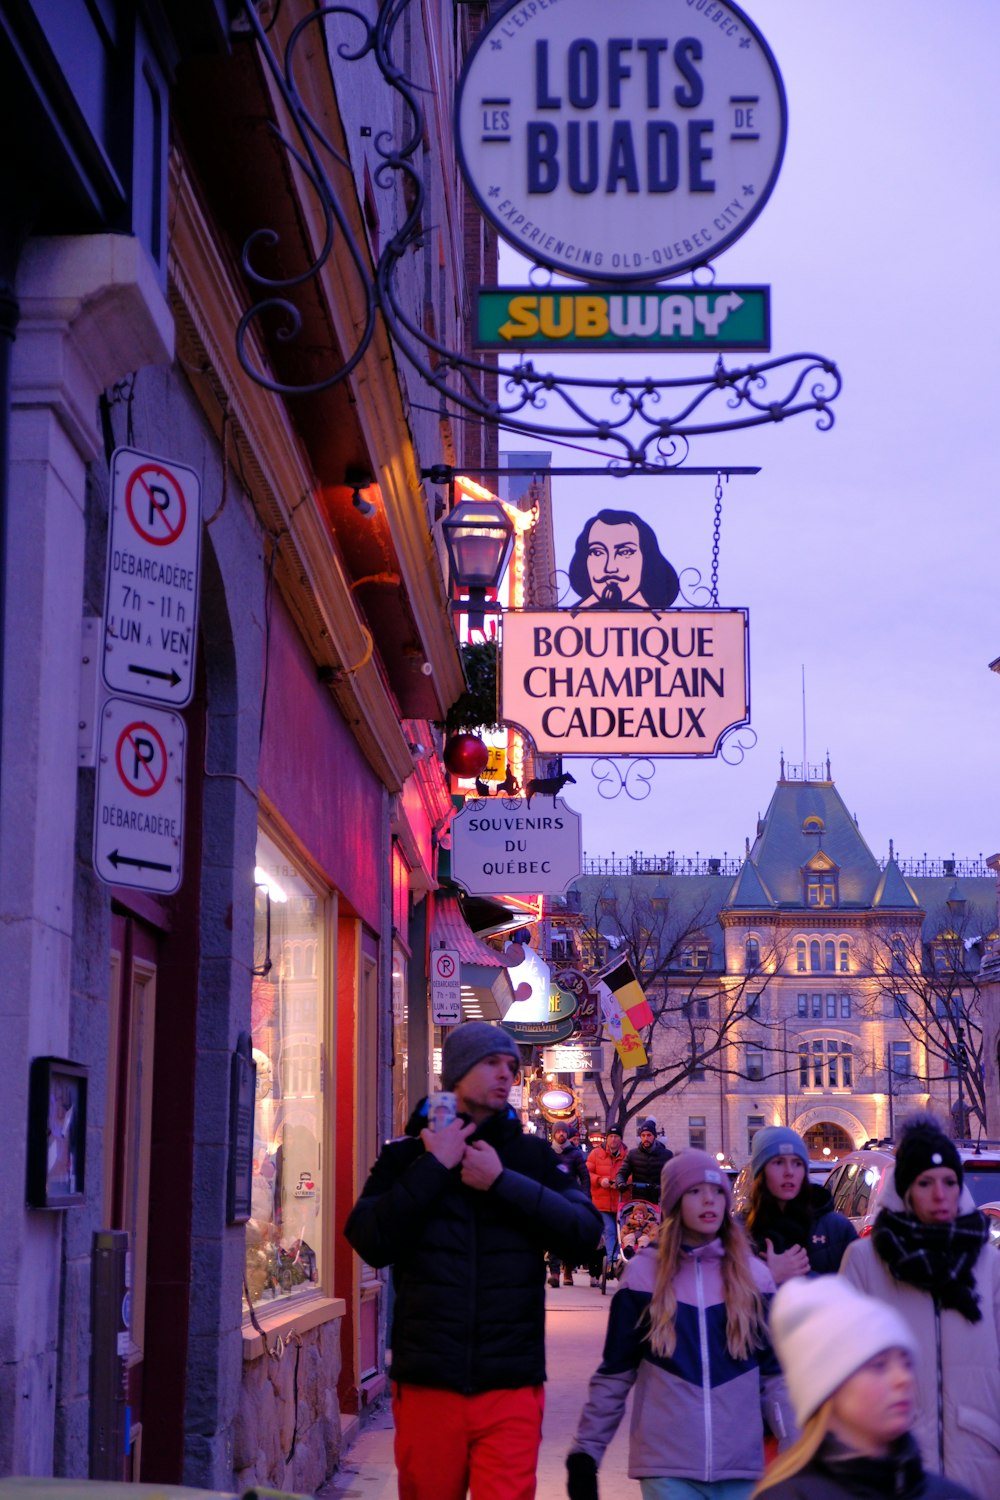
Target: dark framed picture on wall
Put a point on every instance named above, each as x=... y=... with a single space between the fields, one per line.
x=57 y=1132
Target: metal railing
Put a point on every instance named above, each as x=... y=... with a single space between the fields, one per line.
x=729 y=865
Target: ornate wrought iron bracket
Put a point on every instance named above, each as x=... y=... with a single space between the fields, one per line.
x=644 y=421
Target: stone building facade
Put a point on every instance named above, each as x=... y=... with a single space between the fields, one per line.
x=809 y=984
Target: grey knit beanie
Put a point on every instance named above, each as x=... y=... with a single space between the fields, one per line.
x=468 y=1044
x=776 y=1140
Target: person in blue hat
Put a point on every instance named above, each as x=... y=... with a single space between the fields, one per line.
x=791 y=1221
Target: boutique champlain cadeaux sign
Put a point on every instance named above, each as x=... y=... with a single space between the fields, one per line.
x=620 y=672
x=621 y=142
x=625 y=682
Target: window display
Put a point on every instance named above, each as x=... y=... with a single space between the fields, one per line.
x=284 y=1233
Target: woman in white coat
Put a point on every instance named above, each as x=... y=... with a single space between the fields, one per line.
x=929 y=1256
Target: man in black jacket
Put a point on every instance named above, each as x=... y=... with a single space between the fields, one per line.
x=643 y=1165
x=464 y=1216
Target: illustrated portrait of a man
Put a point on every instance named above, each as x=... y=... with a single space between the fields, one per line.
x=617 y=564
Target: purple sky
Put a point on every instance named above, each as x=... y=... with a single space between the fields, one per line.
x=865 y=554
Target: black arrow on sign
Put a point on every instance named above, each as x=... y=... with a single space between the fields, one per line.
x=173 y=676
x=117 y=859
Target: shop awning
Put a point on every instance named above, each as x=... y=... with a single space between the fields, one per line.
x=486 y=989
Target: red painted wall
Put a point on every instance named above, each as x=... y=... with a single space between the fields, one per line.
x=315 y=775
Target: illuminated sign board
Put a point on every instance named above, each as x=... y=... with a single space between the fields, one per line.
x=626 y=682
x=677 y=320
x=621 y=142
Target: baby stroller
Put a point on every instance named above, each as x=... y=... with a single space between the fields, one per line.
x=638 y=1225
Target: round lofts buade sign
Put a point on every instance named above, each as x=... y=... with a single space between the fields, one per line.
x=624 y=142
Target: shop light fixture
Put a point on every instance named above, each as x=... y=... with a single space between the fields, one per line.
x=359 y=479
x=479 y=536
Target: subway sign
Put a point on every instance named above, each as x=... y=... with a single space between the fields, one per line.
x=679 y=319
x=624 y=142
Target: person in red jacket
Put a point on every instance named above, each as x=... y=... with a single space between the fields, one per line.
x=604 y=1163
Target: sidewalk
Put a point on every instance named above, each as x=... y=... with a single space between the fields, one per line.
x=575 y=1320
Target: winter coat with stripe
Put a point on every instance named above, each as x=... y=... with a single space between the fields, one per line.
x=698 y=1414
x=468 y=1266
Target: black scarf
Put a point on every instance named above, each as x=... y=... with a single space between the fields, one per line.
x=936 y=1258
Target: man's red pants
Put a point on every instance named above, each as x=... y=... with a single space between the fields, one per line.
x=448 y=1444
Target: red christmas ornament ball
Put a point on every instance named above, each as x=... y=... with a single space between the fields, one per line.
x=466 y=755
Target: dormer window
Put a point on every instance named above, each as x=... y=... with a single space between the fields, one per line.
x=694 y=954
x=821 y=888
x=822 y=881
x=813 y=824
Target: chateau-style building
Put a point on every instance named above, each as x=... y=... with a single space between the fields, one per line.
x=811 y=983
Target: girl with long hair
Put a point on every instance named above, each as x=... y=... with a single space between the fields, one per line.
x=791 y=1221
x=930 y=1258
x=849 y=1362
x=687 y=1329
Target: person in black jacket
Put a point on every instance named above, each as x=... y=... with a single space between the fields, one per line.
x=849 y=1366
x=792 y=1221
x=643 y=1165
x=572 y=1161
x=464 y=1216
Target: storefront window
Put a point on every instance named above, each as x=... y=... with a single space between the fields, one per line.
x=284 y=1240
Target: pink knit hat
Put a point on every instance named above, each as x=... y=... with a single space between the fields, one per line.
x=686 y=1170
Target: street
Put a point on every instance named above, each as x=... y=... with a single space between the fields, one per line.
x=575 y=1320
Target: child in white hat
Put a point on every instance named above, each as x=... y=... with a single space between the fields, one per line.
x=848 y=1362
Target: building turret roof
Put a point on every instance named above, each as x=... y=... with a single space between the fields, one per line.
x=893 y=890
x=748 y=889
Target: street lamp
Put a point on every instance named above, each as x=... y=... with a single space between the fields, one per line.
x=479 y=536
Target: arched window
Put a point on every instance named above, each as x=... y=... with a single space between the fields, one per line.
x=815 y=963
x=800 y=956
x=830 y=956
x=845 y=956
x=813 y=824
x=752 y=947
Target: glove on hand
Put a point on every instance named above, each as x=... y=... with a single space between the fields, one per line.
x=581 y=1477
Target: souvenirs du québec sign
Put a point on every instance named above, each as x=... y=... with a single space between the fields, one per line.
x=625 y=682
x=679 y=320
x=621 y=142
x=506 y=844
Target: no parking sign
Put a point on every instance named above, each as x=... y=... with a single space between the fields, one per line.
x=139 y=814
x=154 y=557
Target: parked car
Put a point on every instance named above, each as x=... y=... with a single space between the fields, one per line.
x=860 y=1179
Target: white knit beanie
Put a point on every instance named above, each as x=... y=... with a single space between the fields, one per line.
x=823 y=1330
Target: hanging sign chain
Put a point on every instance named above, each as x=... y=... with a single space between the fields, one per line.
x=715 y=540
